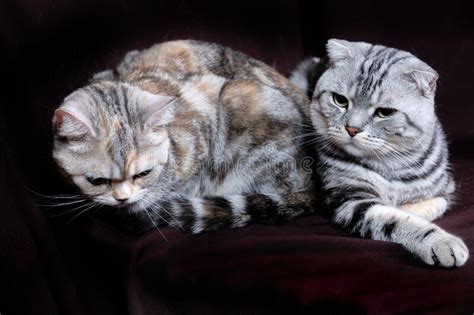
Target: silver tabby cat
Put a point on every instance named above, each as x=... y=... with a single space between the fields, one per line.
x=187 y=133
x=383 y=154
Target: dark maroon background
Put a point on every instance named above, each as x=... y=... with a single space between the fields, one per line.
x=47 y=266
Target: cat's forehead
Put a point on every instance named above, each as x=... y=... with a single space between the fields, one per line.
x=111 y=97
x=119 y=149
x=110 y=107
x=374 y=75
x=376 y=69
x=125 y=161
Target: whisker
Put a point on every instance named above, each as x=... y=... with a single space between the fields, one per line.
x=303 y=135
x=81 y=212
x=161 y=217
x=154 y=224
x=161 y=208
x=55 y=205
x=71 y=210
x=65 y=196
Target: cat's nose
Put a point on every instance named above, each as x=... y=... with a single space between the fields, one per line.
x=352 y=131
x=122 y=191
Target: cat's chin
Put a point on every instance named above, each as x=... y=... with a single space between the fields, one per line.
x=133 y=207
x=355 y=150
x=137 y=206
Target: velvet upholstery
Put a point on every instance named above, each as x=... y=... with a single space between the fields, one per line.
x=49 y=265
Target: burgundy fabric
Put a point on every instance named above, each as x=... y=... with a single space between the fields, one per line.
x=50 y=266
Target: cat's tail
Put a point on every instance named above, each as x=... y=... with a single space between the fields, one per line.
x=307 y=73
x=215 y=212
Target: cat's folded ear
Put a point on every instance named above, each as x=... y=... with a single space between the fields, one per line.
x=71 y=125
x=158 y=110
x=425 y=80
x=339 y=49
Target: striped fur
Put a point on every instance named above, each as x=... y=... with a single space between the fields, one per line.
x=190 y=134
x=391 y=179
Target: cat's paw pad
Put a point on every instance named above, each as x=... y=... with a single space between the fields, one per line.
x=446 y=250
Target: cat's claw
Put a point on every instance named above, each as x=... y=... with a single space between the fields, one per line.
x=445 y=250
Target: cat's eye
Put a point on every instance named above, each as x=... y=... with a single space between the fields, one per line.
x=340 y=100
x=383 y=112
x=142 y=174
x=98 y=181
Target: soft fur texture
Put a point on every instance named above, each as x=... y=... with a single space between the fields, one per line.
x=382 y=151
x=188 y=133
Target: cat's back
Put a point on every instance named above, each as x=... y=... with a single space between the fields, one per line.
x=185 y=58
x=180 y=59
x=248 y=89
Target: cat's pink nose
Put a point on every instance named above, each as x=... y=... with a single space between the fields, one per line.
x=352 y=131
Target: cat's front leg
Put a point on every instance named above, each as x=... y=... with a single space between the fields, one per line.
x=377 y=221
x=429 y=209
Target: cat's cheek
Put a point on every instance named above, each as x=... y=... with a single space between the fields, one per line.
x=141 y=185
x=87 y=188
x=81 y=182
x=327 y=110
x=319 y=121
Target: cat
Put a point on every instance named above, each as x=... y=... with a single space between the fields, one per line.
x=382 y=153
x=190 y=134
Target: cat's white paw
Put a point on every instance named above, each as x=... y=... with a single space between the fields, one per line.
x=444 y=250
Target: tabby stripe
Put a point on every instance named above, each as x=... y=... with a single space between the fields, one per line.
x=382 y=61
x=218 y=212
x=115 y=101
x=428 y=152
x=428 y=233
x=262 y=208
x=186 y=215
x=374 y=67
x=336 y=155
x=385 y=73
x=128 y=118
x=358 y=215
x=364 y=82
x=362 y=65
x=214 y=212
x=434 y=257
x=325 y=153
x=439 y=163
x=435 y=182
x=440 y=184
x=365 y=230
x=317 y=97
x=100 y=94
x=125 y=101
x=336 y=197
x=412 y=123
x=388 y=228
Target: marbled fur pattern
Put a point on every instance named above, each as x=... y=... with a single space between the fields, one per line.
x=188 y=133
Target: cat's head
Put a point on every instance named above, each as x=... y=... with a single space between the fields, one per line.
x=111 y=140
x=373 y=100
